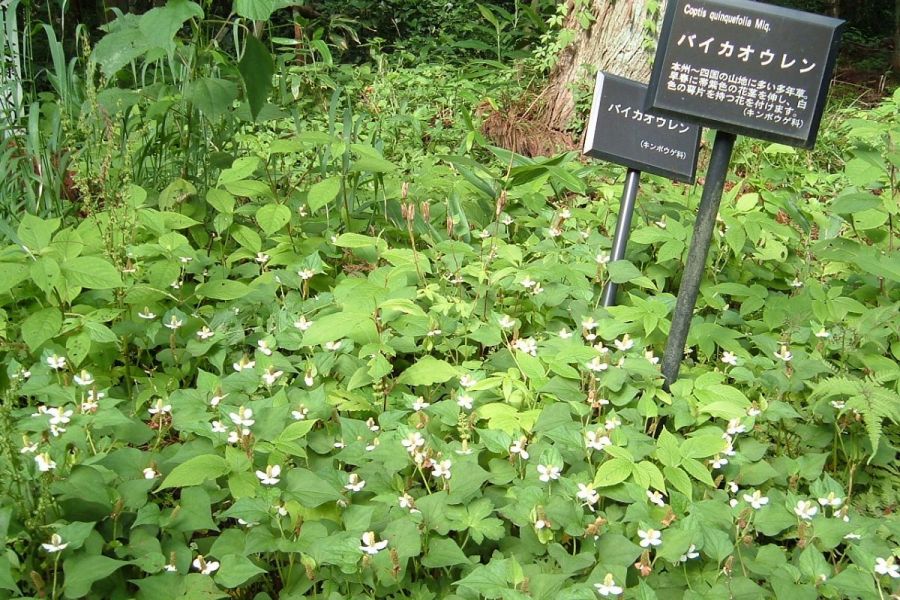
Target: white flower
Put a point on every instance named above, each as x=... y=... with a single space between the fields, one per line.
x=84 y=378
x=216 y=399
x=784 y=354
x=822 y=333
x=806 y=509
x=150 y=473
x=691 y=553
x=218 y=427
x=852 y=536
x=420 y=404
x=597 y=365
x=506 y=322
x=732 y=487
x=650 y=537
x=735 y=427
x=612 y=423
x=588 y=495
x=58 y=416
x=306 y=274
x=234 y=437
x=354 y=483
x=372 y=425
x=28 y=447
x=608 y=587
x=602 y=258
x=887 y=567
x=205 y=333
x=554 y=232
x=528 y=282
x=656 y=498
x=270 y=475
x=206 y=567
x=160 y=407
x=541 y=524
x=262 y=258
x=465 y=401
x=519 y=447
x=263 y=346
x=596 y=442
x=147 y=314
x=308 y=379
x=718 y=461
x=56 y=430
x=244 y=364
x=507 y=220
x=756 y=500
x=185 y=259
x=754 y=410
x=832 y=500
x=588 y=324
x=729 y=358
x=408 y=502
x=838 y=404
x=332 y=346
x=370 y=545
x=526 y=345
x=56 y=362
x=174 y=323
x=170 y=568
x=648 y=354
x=537 y=289
x=441 y=469
x=548 y=472
x=243 y=417
x=626 y=343
x=56 y=544
x=302 y=324
x=434 y=333
x=796 y=283
x=467 y=381
x=565 y=333
x=565 y=213
x=271 y=375
x=413 y=442
x=175 y=285
x=44 y=462
x=300 y=414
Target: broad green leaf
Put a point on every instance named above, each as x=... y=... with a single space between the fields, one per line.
x=722 y=401
x=91 y=272
x=613 y=472
x=330 y=328
x=309 y=489
x=11 y=275
x=272 y=217
x=428 y=371
x=195 y=471
x=356 y=240
x=222 y=289
x=702 y=446
x=40 y=326
x=235 y=570
x=240 y=169
x=257 y=68
x=443 y=552
x=82 y=571
x=323 y=192
x=159 y=25
x=118 y=48
x=212 y=95
x=35 y=232
x=256 y=10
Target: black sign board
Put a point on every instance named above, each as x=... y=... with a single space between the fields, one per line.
x=621 y=131
x=745 y=67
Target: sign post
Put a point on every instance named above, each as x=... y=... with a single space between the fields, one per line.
x=622 y=131
x=739 y=67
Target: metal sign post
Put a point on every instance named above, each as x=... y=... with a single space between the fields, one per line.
x=623 y=228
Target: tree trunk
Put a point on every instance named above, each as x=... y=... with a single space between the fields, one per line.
x=613 y=42
x=895 y=57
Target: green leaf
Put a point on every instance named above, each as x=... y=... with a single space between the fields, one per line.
x=240 y=169
x=81 y=571
x=91 y=272
x=323 y=192
x=212 y=95
x=40 y=326
x=6 y=579
x=35 y=232
x=356 y=240
x=257 y=10
x=272 y=217
x=236 y=569
x=443 y=552
x=159 y=25
x=722 y=401
x=613 y=472
x=309 y=489
x=488 y=580
x=118 y=48
x=195 y=471
x=257 y=68
x=428 y=371
x=335 y=326
x=702 y=446
x=11 y=275
x=622 y=271
x=78 y=347
x=848 y=204
x=222 y=289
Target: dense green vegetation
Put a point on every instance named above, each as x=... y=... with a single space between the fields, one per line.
x=278 y=321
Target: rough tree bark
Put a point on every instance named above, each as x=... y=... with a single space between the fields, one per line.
x=612 y=43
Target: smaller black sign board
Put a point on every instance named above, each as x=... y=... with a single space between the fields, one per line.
x=745 y=67
x=621 y=131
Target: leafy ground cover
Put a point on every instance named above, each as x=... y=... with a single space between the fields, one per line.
x=358 y=352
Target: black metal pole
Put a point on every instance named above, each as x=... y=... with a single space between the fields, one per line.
x=696 y=260
x=623 y=228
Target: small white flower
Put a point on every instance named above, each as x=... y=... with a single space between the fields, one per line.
x=170 y=568
x=59 y=416
x=420 y=404
x=822 y=333
x=519 y=447
x=548 y=473
x=656 y=498
x=887 y=567
x=612 y=423
x=608 y=587
x=408 y=502
x=596 y=442
x=602 y=258
x=244 y=364
x=507 y=220
x=44 y=462
x=372 y=425
x=729 y=358
x=796 y=283
x=176 y=285
x=565 y=213
x=150 y=473
x=506 y=322
x=302 y=323
x=554 y=232
x=217 y=398
x=205 y=333
x=28 y=447
x=756 y=499
x=263 y=347
x=541 y=524
x=371 y=545
x=718 y=461
x=308 y=379
x=160 y=407
x=754 y=410
x=526 y=345
x=174 y=323
x=587 y=494
x=467 y=381
x=333 y=346
x=84 y=378
x=306 y=274
x=784 y=354
x=354 y=483
x=434 y=333
x=832 y=500
x=300 y=414
x=218 y=427
x=413 y=442
x=465 y=401
x=281 y=510
x=528 y=282
x=147 y=314
x=271 y=375
x=262 y=258
x=806 y=509
x=243 y=417
x=648 y=354
x=626 y=343
x=597 y=365
x=56 y=544
x=56 y=362
x=234 y=437
x=838 y=404
x=484 y=234
x=185 y=259
x=852 y=536
x=441 y=469
x=690 y=554
x=270 y=475
x=206 y=567
x=588 y=324
x=56 y=430
x=735 y=427
x=650 y=537
x=565 y=333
